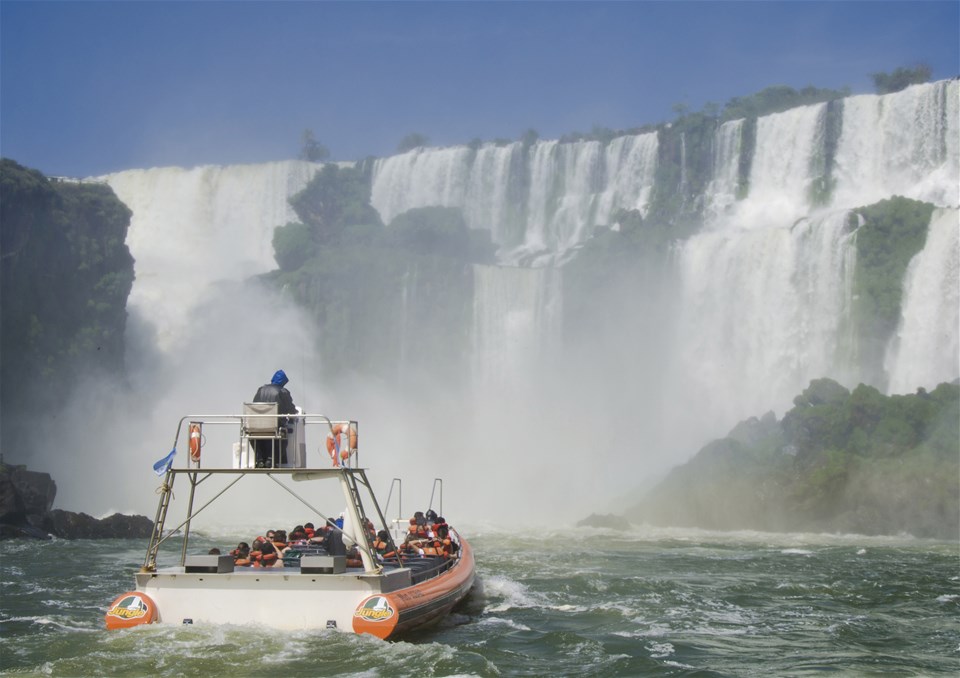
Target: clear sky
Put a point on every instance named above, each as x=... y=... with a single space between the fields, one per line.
x=93 y=87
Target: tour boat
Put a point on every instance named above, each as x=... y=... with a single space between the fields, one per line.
x=385 y=591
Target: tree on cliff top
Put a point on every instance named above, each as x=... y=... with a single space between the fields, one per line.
x=901 y=78
x=311 y=149
x=335 y=199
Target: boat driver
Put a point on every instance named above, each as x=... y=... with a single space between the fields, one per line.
x=274 y=392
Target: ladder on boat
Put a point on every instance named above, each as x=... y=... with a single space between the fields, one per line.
x=166 y=492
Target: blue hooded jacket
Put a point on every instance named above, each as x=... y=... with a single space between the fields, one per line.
x=274 y=392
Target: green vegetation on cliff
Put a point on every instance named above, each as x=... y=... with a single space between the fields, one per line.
x=66 y=275
x=892 y=233
x=838 y=461
x=685 y=161
x=393 y=301
x=901 y=78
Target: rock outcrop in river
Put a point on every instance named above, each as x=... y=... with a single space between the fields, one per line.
x=26 y=511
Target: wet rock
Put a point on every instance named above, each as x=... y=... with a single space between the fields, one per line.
x=70 y=525
x=24 y=493
x=26 y=500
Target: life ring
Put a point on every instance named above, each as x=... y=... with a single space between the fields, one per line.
x=195 y=441
x=340 y=456
x=131 y=609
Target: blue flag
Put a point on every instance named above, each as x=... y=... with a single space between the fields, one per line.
x=161 y=467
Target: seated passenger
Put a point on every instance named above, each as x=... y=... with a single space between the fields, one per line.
x=269 y=556
x=241 y=554
x=333 y=543
x=255 y=550
x=353 y=557
x=382 y=542
x=417 y=528
x=319 y=535
x=297 y=534
x=443 y=533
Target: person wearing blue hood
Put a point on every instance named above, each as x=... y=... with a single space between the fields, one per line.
x=274 y=392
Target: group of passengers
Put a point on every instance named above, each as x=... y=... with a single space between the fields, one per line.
x=269 y=550
x=428 y=535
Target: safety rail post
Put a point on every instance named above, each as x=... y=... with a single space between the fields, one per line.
x=386 y=508
x=186 y=532
x=435 y=481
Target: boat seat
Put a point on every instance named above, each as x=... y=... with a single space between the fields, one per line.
x=263 y=431
x=209 y=564
x=260 y=420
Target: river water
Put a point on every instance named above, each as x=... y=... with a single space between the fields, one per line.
x=573 y=602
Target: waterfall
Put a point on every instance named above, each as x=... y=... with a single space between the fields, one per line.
x=194 y=228
x=763 y=311
x=782 y=170
x=926 y=349
x=631 y=163
x=420 y=178
x=541 y=199
x=493 y=199
x=749 y=310
x=516 y=314
x=722 y=190
x=904 y=143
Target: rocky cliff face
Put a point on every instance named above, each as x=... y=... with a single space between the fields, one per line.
x=26 y=511
x=66 y=275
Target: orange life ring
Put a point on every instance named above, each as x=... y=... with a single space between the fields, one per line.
x=195 y=441
x=131 y=609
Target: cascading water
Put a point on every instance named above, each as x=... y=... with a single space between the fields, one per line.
x=761 y=302
x=782 y=170
x=194 y=228
x=926 y=350
x=904 y=143
x=492 y=199
x=420 y=178
x=764 y=310
x=514 y=310
x=198 y=338
x=765 y=291
x=571 y=188
x=722 y=190
x=766 y=287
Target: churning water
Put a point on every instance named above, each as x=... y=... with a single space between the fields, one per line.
x=571 y=602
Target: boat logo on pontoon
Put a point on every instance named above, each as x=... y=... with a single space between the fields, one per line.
x=131 y=607
x=375 y=609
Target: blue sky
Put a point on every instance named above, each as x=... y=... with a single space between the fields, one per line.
x=93 y=87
